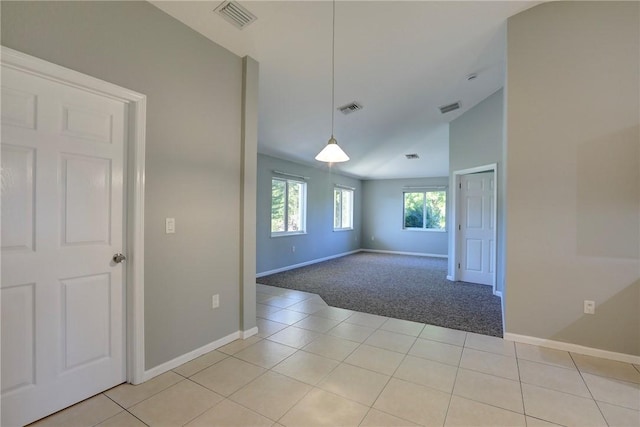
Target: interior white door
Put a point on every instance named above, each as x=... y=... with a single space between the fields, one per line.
x=63 y=327
x=476 y=228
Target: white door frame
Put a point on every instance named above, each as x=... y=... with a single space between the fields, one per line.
x=454 y=238
x=134 y=189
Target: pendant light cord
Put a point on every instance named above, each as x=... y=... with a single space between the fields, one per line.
x=333 y=65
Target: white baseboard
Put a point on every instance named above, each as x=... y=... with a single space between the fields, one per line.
x=574 y=348
x=405 y=253
x=249 y=333
x=187 y=357
x=496 y=293
x=303 y=264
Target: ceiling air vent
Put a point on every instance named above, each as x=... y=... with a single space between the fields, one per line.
x=350 y=108
x=451 y=107
x=412 y=156
x=235 y=14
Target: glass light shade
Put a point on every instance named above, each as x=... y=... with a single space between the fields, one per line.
x=332 y=153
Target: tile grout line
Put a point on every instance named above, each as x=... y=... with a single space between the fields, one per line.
x=210 y=407
x=312 y=387
x=241 y=404
x=124 y=410
x=137 y=418
x=618 y=406
x=343 y=362
x=296 y=402
x=485 y=403
x=103 y=393
x=148 y=397
x=491 y=404
x=386 y=385
x=524 y=407
x=564 y=392
x=392 y=376
x=247 y=408
x=610 y=378
x=455 y=380
x=551 y=365
x=589 y=389
x=446 y=414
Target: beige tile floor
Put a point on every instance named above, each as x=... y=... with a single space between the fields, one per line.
x=311 y=364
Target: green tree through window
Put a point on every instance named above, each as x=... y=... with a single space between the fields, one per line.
x=425 y=209
x=278 y=192
x=342 y=208
x=288 y=206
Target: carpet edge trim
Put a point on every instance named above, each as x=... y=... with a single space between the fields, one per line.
x=574 y=348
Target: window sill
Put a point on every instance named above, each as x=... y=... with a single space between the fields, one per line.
x=429 y=230
x=285 y=234
x=342 y=229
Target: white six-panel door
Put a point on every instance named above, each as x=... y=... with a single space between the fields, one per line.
x=476 y=228
x=63 y=328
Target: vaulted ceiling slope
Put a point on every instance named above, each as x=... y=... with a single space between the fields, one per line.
x=400 y=60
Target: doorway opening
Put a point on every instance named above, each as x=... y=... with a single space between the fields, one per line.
x=474 y=216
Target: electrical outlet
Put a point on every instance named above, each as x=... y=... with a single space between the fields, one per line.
x=373 y=238
x=589 y=307
x=215 y=301
x=293 y=248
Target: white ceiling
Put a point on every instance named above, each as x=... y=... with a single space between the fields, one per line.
x=400 y=59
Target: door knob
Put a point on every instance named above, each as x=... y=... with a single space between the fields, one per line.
x=118 y=258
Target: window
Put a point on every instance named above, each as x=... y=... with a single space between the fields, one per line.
x=342 y=208
x=425 y=210
x=288 y=206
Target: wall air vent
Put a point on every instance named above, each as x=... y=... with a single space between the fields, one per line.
x=350 y=108
x=235 y=14
x=451 y=107
x=412 y=156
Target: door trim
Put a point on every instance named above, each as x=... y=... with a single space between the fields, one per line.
x=134 y=188
x=454 y=238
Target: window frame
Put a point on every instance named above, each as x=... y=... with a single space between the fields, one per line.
x=303 y=207
x=342 y=189
x=424 y=191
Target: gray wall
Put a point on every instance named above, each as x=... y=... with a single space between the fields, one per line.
x=476 y=139
x=573 y=167
x=382 y=218
x=193 y=161
x=320 y=241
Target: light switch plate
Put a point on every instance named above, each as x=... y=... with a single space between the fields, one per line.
x=170 y=225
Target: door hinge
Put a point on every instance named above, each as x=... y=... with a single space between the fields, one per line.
x=459 y=227
x=458 y=266
x=460 y=185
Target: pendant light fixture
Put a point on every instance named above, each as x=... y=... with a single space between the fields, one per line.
x=332 y=153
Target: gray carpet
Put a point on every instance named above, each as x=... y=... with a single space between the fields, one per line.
x=405 y=287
